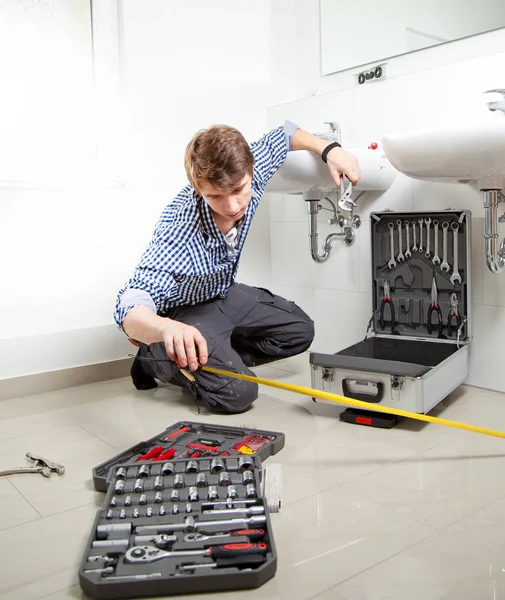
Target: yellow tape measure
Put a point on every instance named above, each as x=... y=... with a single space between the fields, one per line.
x=305 y=391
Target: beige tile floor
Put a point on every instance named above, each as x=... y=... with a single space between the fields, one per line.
x=416 y=512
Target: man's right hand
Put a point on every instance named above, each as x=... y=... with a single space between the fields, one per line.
x=185 y=344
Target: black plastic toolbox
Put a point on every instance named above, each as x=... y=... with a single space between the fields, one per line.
x=154 y=508
x=205 y=438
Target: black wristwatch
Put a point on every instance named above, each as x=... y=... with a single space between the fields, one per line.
x=327 y=149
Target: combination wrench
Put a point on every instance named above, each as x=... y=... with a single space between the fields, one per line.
x=436 y=258
x=408 y=253
x=455 y=273
x=445 y=265
x=428 y=224
x=400 y=258
x=421 y=235
x=392 y=262
x=414 y=247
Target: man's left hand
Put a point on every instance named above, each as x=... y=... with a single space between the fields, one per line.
x=341 y=163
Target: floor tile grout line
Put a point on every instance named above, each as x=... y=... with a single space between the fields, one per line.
x=23 y=496
x=50 y=516
x=373 y=566
x=93 y=434
x=444 y=529
x=66 y=588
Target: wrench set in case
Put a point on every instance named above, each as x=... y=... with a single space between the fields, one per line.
x=180 y=527
x=417 y=352
x=188 y=439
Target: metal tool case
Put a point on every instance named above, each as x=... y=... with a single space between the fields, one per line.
x=411 y=361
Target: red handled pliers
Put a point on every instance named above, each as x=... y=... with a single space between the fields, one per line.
x=387 y=300
x=453 y=314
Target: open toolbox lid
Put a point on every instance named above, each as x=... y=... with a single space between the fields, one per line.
x=187 y=438
x=416 y=253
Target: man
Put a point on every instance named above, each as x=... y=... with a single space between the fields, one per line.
x=182 y=303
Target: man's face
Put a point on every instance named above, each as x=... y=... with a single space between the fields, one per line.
x=231 y=204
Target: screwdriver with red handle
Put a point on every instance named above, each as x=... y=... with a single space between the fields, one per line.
x=147 y=554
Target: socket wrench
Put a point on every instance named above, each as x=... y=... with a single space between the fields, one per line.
x=148 y=554
x=392 y=262
x=436 y=258
x=455 y=273
x=428 y=225
x=408 y=253
x=445 y=265
x=400 y=258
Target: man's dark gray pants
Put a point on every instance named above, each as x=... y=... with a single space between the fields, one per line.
x=248 y=328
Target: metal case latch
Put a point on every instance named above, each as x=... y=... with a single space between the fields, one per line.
x=327 y=376
x=397 y=385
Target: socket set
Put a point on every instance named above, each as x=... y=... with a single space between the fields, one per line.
x=180 y=527
x=186 y=439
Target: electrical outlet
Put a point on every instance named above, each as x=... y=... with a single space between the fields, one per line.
x=372 y=74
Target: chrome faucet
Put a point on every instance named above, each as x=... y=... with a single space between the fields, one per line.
x=497 y=104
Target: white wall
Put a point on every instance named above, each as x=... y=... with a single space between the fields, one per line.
x=436 y=86
x=85 y=172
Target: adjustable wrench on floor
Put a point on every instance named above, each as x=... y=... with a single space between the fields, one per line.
x=42 y=465
x=455 y=273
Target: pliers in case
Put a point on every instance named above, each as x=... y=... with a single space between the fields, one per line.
x=435 y=307
x=387 y=300
x=453 y=314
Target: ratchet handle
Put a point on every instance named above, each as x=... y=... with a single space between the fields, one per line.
x=233 y=550
x=252 y=534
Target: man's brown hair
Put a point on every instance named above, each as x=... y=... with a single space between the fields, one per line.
x=220 y=156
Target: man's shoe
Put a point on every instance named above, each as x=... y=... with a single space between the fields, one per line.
x=141 y=379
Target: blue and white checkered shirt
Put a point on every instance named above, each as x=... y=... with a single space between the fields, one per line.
x=189 y=259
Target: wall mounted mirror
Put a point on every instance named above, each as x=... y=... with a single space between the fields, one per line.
x=364 y=31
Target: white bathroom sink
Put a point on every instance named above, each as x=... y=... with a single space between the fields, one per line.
x=303 y=170
x=465 y=154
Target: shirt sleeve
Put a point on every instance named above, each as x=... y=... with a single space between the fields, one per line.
x=271 y=150
x=143 y=289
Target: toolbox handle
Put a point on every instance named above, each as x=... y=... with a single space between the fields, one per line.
x=365 y=397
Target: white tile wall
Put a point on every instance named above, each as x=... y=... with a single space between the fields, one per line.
x=435 y=96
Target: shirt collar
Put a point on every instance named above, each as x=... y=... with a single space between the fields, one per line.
x=211 y=230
